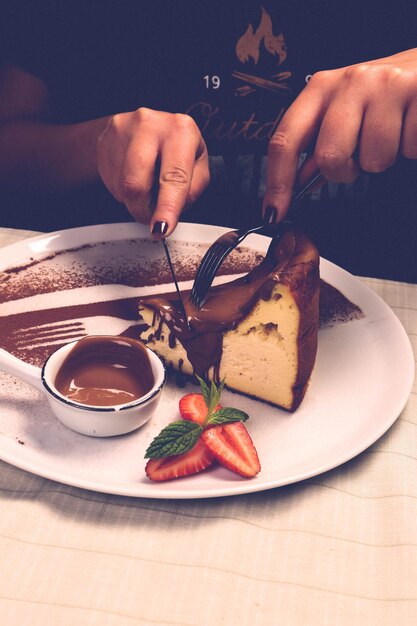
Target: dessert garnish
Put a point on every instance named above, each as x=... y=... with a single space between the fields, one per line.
x=206 y=432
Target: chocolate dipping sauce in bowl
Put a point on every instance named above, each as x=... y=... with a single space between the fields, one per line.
x=100 y=385
x=103 y=385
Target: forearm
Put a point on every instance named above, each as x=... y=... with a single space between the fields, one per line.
x=37 y=155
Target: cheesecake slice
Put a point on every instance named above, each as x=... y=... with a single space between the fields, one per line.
x=258 y=332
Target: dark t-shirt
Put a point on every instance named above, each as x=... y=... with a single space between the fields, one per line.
x=235 y=67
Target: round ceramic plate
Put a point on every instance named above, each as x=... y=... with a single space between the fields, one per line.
x=361 y=381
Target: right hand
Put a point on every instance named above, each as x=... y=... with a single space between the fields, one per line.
x=357 y=118
x=128 y=151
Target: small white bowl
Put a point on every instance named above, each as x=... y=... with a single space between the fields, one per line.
x=95 y=421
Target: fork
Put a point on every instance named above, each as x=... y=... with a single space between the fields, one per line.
x=227 y=242
x=55 y=333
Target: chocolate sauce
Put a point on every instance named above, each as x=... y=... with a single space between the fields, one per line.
x=292 y=259
x=126 y=262
x=105 y=371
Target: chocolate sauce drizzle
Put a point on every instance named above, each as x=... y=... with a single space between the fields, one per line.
x=292 y=259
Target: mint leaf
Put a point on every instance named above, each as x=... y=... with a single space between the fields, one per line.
x=176 y=438
x=215 y=393
x=226 y=415
x=205 y=391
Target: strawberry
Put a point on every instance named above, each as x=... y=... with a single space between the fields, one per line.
x=232 y=446
x=194 y=408
x=191 y=462
x=207 y=432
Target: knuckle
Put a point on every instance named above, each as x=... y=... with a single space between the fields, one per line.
x=185 y=122
x=116 y=122
x=321 y=78
x=113 y=126
x=328 y=158
x=381 y=74
x=131 y=186
x=278 y=189
x=406 y=79
x=280 y=144
x=176 y=175
x=143 y=114
x=359 y=71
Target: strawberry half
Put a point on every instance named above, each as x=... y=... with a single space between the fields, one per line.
x=232 y=446
x=168 y=467
x=193 y=408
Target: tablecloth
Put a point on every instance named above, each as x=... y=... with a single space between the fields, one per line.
x=334 y=550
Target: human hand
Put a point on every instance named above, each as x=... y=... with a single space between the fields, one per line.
x=129 y=151
x=359 y=117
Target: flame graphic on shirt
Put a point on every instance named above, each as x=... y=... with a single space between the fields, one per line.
x=248 y=46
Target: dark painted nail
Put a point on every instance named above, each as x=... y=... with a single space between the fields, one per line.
x=270 y=216
x=160 y=228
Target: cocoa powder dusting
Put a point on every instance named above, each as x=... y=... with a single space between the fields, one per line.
x=335 y=308
x=130 y=262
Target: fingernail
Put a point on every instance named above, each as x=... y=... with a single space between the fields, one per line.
x=160 y=228
x=270 y=216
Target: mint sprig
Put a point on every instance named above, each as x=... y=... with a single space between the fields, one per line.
x=181 y=436
x=226 y=415
x=176 y=438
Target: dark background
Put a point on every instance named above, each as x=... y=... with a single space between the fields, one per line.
x=104 y=57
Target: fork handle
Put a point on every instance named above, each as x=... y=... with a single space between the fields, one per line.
x=305 y=187
x=29 y=373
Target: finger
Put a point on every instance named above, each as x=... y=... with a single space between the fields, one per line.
x=380 y=135
x=294 y=133
x=307 y=169
x=200 y=178
x=177 y=167
x=338 y=138
x=137 y=176
x=409 y=132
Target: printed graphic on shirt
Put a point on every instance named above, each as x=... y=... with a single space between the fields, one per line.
x=250 y=47
x=242 y=106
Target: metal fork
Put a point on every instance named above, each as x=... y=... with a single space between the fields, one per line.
x=57 y=333
x=226 y=243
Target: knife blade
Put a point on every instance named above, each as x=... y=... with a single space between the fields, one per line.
x=171 y=267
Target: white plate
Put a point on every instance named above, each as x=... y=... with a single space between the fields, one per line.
x=361 y=382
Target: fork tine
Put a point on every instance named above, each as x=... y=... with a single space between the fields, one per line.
x=203 y=270
x=215 y=253
x=201 y=274
x=211 y=262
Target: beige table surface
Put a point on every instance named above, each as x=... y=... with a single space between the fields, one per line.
x=340 y=548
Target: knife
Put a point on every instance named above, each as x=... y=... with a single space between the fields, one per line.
x=171 y=267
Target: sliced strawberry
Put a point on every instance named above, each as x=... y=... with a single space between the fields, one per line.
x=232 y=446
x=194 y=408
x=168 y=467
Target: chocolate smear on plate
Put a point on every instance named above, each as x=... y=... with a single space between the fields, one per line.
x=129 y=262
